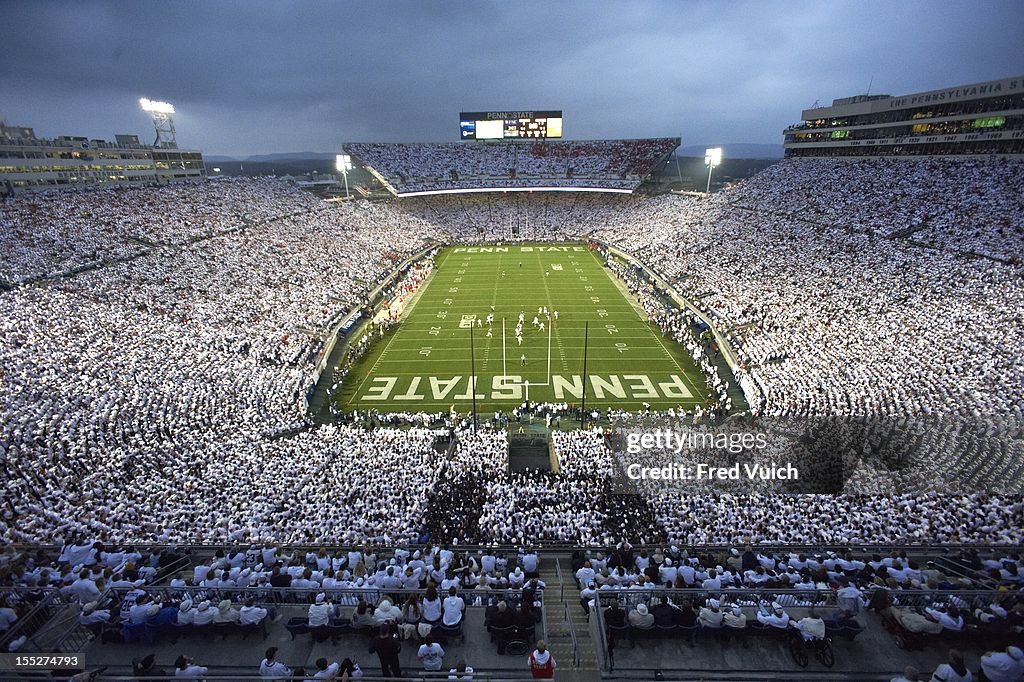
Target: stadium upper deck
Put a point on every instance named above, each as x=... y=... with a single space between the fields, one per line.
x=411 y=169
x=980 y=118
x=28 y=162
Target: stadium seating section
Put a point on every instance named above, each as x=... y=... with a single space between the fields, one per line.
x=157 y=362
x=608 y=164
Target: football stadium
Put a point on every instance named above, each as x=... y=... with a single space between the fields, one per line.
x=517 y=405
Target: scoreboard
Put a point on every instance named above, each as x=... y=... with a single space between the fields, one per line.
x=498 y=125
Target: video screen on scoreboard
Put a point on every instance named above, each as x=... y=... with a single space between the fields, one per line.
x=499 y=125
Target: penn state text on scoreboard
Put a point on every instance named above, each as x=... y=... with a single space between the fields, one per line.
x=497 y=125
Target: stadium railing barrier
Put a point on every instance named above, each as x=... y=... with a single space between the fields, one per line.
x=52 y=624
x=819 y=598
x=46 y=623
x=556 y=549
x=234 y=674
x=628 y=599
x=285 y=596
x=794 y=601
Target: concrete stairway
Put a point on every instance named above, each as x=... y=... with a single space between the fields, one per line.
x=564 y=636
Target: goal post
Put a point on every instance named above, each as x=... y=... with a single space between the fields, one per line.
x=504 y=358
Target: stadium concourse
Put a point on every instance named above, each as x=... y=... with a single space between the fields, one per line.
x=159 y=346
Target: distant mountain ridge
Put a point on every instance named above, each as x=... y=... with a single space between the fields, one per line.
x=271 y=158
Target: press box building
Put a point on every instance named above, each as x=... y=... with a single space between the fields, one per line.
x=978 y=119
x=31 y=163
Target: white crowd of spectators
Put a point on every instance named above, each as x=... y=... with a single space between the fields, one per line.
x=680 y=325
x=839 y=519
x=50 y=233
x=837 y=322
x=488 y=218
x=411 y=167
x=973 y=205
x=343 y=483
x=160 y=394
x=133 y=380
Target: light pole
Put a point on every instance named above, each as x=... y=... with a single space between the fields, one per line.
x=343 y=162
x=712 y=157
x=163 y=122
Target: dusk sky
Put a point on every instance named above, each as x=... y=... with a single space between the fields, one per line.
x=259 y=77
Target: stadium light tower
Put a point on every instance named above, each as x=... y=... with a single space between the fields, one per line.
x=712 y=157
x=162 y=122
x=343 y=162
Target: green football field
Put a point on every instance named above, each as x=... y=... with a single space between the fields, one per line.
x=425 y=362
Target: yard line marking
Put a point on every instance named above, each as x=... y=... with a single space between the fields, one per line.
x=519 y=289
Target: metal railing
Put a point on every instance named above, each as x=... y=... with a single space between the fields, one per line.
x=963 y=599
x=571 y=627
x=918 y=600
x=567 y=619
x=162 y=573
x=285 y=596
x=606 y=657
x=53 y=624
x=561 y=582
x=630 y=598
x=235 y=674
x=859 y=548
x=36 y=623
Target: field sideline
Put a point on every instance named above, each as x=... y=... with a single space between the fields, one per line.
x=424 y=364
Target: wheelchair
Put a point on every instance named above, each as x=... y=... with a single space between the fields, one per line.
x=801 y=649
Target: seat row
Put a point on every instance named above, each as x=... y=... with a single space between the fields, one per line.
x=839 y=629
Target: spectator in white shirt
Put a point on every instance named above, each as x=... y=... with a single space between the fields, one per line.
x=325 y=670
x=949 y=618
x=453 y=608
x=1004 y=666
x=226 y=613
x=777 y=618
x=585 y=575
x=811 y=627
x=250 y=614
x=386 y=612
x=185 y=668
x=430 y=654
x=461 y=671
x=432 y=606
x=954 y=670
x=186 y=613
x=138 y=613
x=91 y=614
x=320 y=612
x=530 y=562
x=84 y=589
x=271 y=667
x=204 y=614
